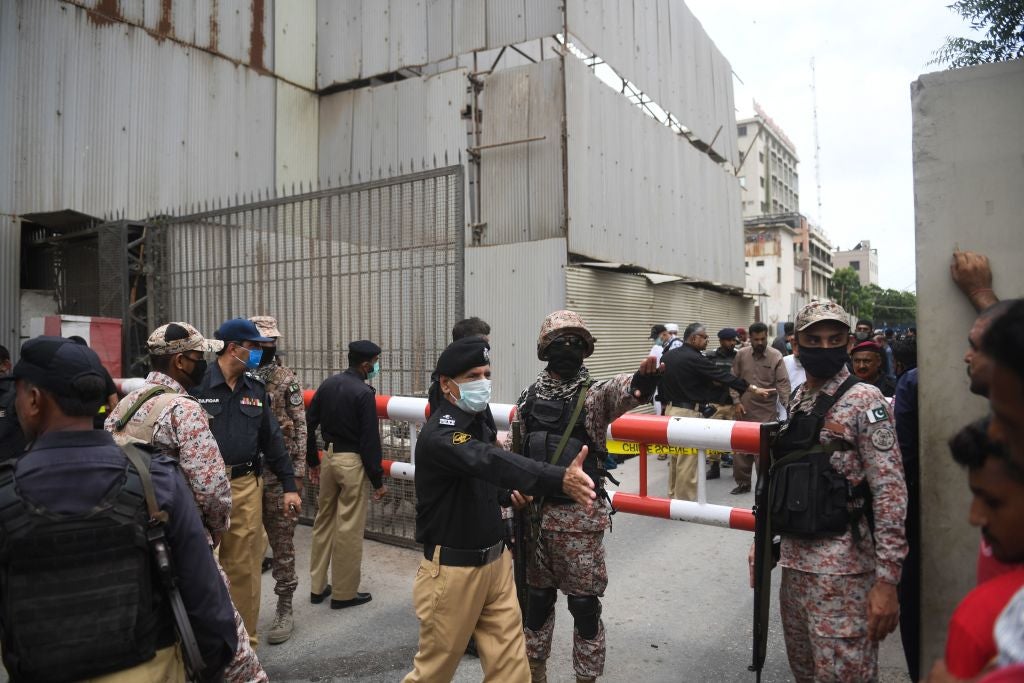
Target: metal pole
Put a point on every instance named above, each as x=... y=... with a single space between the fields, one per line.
x=702 y=482
x=643 y=469
x=414 y=432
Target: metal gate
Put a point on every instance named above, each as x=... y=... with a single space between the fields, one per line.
x=380 y=261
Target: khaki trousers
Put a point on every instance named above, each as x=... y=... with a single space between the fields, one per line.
x=682 y=469
x=241 y=550
x=339 y=525
x=453 y=603
x=166 y=667
x=723 y=411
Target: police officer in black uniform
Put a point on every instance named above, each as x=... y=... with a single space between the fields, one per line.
x=66 y=541
x=723 y=357
x=459 y=477
x=12 y=441
x=243 y=423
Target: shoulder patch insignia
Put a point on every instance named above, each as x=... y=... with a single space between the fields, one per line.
x=296 y=398
x=294 y=387
x=883 y=438
x=446 y=420
x=878 y=414
x=459 y=438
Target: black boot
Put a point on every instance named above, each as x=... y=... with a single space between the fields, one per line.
x=715 y=471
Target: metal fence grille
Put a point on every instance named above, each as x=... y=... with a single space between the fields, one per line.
x=380 y=261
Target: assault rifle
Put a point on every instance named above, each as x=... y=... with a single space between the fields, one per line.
x=521 y=536
x=194 y=664
x=764 y=547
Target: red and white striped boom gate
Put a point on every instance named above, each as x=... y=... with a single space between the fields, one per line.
x=723 y=435
x=693 y=432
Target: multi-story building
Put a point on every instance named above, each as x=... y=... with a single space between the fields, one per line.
x=863 y=259
x=788 y=263
x=768 y=167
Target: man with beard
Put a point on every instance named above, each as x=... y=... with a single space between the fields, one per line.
x=762 y=366
x=563 y=412
x=838 y=593
x=163 y=415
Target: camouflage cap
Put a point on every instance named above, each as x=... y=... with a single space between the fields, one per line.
x=819 y=311
x=563 y=322
x=177 y=338
x=267 y=325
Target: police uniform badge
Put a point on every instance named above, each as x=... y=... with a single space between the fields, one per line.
x=877 y=414
x=295 y=397
x=446 y=420
x=459 y=438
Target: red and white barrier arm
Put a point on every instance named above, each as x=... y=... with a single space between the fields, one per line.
x=724 y=435
x=664 y=508
x=127 y=385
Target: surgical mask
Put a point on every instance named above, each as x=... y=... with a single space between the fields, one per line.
x=375 y=371
x=198 y=371
x=823 y=363
x=267 y=356
x=789 y=347
x=861 y=336
x=253 y=361
x=474 y=396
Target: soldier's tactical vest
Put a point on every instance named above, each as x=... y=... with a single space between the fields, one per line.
x=808 y=497
x=128 y=432
x=552 y=436
x=86 y=581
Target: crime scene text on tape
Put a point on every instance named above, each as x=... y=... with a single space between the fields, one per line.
x=633 y=448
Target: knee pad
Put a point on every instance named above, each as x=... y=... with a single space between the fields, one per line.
x=541 y=600
x=586 y=611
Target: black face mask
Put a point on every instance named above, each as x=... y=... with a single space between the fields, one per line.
x=823 y=363
x=565 y=361
x=268 y=356
x=198 y=371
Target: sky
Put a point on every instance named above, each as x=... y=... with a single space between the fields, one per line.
x=866 y=56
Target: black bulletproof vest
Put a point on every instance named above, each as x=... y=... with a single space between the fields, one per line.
x=546 y=421
x=85 y=581
x=808 y=497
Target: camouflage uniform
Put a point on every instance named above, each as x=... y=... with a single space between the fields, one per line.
x=825 y=582
x=569 y=553
x=182 y=432
x=286 y=400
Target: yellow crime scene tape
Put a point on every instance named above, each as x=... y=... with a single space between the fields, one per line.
x=633 y=448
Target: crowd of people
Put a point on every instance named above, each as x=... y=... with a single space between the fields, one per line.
x=217 y=454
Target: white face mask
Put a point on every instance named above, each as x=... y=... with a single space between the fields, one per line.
x=474 y=396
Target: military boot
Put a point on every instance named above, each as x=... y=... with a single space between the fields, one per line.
x=281 y=629
x=715 y=472
x=538 y=670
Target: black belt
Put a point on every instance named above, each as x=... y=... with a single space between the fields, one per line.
x=251 y=467
x=457 y=557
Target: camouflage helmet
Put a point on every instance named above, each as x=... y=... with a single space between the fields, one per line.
x=563 y=322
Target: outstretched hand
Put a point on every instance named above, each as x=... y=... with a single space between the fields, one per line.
x=576 y=483
x=645 y=381
x=972 y=273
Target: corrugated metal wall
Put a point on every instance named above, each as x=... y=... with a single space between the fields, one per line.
x=380 y=132
x=621 y=307
x=522 y=183
x=512 y=287
x=10 y=299
x=241 y=30
x=105 y=116
x=641 y=195
x=661 y=47
x=357 y=40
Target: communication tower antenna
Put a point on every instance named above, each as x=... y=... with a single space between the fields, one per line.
x=817 y=144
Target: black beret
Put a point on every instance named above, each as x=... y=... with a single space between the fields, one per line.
x=364 y=347
x=462 y=355
x=727 y=333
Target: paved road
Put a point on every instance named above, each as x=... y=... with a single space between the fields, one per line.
x=677 y=609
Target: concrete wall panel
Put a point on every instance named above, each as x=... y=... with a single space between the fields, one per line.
x=969 y=193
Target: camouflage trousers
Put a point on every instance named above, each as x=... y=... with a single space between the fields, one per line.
x=245 y=666
x=825 y=622
x=281 y=535
x=572 y=562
